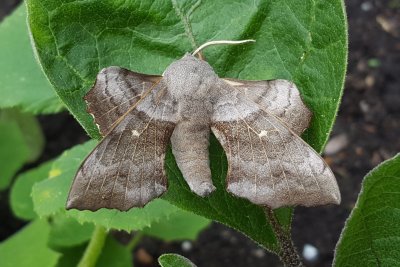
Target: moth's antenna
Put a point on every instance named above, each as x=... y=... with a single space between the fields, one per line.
x=221 y=42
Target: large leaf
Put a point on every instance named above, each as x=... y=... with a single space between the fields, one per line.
x=28 y=247
x=50 y=196
x=23 y=84
x=174 y=260
x=20 y=195
x=301 y=40
x=371 y=236
x=179 y=226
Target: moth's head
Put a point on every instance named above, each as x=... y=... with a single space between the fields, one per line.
x=189 y=76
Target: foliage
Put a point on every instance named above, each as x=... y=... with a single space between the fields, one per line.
x=371 y=236
x=23 y=84
x=174 y=260
x=67 y=232
x=181 y=225
x=20 y=196
x=50 y=195
x=29 y=247
x=303 y=41
x=21 y=141
x=114 y=254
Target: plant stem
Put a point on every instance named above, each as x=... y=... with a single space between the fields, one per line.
x=134 y=241
x=288 y=253
x=94 y=248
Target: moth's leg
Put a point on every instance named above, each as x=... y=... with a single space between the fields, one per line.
x=190 y=142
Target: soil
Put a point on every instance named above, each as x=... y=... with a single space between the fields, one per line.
x=366 y=133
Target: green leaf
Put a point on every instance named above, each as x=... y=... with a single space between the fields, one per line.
x=371 y=236
x=50 y=196
x=13 y=153
x=179 y=226
x=174 y=260
x=23 y=84
x=21 y=141
x=303 y=41
x=70 y=256
x=28 y=247
x=30 y=129
x=67 y=232
x=20 y=195
x=113 y=254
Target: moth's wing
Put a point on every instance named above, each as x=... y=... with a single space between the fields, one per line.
x=268 y=163
x=114 y=92
x=126 y=169
x=279 y=97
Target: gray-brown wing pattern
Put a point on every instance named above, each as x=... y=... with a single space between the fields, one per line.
x=268 y=163
x=279 y=97
x=126 y=169
x=114 y=92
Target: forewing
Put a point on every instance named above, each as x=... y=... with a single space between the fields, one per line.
x=126 y=169
x=268 y=163
x=114 y=92
x=279 y=97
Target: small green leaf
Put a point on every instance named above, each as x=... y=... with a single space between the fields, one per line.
x=67 y=232
x=28 y=247
x=371 y=236
x=174 y=260
x=179 y=226
x=20 y=195
x=50 y=196
x=21 y=141
x=13 y=153
x=30 y=129
x=23 y=84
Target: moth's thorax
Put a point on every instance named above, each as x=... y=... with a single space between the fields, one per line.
x=189 y=78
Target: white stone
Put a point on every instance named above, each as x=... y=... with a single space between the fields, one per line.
x=186 y=246
x=310 y=253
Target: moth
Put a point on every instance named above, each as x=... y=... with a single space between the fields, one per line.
x=258 y=123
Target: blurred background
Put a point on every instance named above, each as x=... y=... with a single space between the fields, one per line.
x=366 y=132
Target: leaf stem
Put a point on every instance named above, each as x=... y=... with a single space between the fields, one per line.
x=288 y=253
x=134 y=241
x=94 y=247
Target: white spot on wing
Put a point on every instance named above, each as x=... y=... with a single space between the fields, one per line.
x=263 y=133
x=135 y=133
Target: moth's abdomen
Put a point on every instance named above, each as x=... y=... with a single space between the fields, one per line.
x=190 y=141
